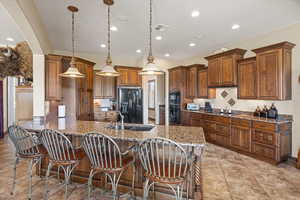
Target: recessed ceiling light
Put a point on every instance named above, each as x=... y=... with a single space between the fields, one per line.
x=10 y=39
x=113 y=28
x=158 y=37
x=195 y=13
x=139 y=51
x=192 y=44
x=167 y=55
x=235 y=26
x=103 y=45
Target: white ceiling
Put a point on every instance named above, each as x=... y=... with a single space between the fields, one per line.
x=210 y=31
x=8 y=29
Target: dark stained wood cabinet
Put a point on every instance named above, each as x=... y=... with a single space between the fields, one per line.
x=104 y=87
x=267 y=141
x=202 y=87
x=247 y=78
x=129 y=76
x=240 y=137
x=177 y=79
x=191 y=81
x=222 y=68
x=53 y=83
x=274 y=71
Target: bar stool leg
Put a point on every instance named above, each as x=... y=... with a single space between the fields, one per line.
x=46 y=181
x=90 y=181
x=133 y=181
x=146 y=189
x=14 y=175
x=30 y=179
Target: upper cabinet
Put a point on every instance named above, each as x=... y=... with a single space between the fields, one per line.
x=202 y=86
x=274 y=71
x=129 y=76
x=222 y=68
x=247 y=71
x=53 y=81
x=104 y=87
x=177 y=77
x=191 y=81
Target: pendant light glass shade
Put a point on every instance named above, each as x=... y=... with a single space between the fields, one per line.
x=72 y=71
x=150 y=68
x=108 y=69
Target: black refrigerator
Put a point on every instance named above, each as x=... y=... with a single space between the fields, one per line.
x=130 y=103
x=174 y=108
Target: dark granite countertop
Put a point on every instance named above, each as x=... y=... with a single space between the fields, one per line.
x=246 y=116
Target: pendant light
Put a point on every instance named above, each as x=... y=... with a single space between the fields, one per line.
x=151 y=68
x=108 y=69
x=72 y=71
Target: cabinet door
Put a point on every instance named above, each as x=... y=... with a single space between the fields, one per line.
x=240 y=138
x=191 y=83
x=89 y=77
x=214 y=72
x=228 y=75
x=268 y=74
x=123 y=78
x=53 y=81
x=81 y=82
x=134 y=78
x=108 y=87
x=202 y=84
x=247 y=88
x=185 y=118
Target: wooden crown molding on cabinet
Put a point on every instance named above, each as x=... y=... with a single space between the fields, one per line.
x=285 y=45
x=77 y=59
x=226 y=53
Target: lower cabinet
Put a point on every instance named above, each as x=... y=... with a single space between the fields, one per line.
x=240 y=138
x=270 y=142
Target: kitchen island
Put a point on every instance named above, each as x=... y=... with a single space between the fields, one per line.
x=191 y=138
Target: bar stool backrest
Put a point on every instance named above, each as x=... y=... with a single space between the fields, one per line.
x=163 y=158
x=58 y=146
x=102 y=151
x=24 y=142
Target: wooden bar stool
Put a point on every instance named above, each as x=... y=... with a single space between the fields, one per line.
x=105 y=157
x=26 y=145
x=61 y=154
x=165 y=162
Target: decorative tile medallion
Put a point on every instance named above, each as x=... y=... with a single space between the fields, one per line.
x=231 y=102
x=224 y=94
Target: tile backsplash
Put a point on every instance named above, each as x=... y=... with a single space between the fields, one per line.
x=223 y=101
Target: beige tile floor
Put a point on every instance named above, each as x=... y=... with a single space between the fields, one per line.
x=226 y=176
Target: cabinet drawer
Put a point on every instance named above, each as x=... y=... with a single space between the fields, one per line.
x=196 y=115
x=264 y=137
x=209 y=117
x=196 y=122
x=241 y=122
x=222 y=130
x=223 y=120
x=263 y=151
x=264 y=126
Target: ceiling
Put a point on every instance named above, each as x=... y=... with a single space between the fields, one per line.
x=8 y=29
x=210 y=31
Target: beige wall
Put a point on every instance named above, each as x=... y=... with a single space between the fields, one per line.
x=4 y=104
x=38 y=85
x=291 y=34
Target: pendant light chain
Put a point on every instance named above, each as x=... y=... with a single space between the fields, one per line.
x=150 y=33
x=109 y=61
x=73 y=38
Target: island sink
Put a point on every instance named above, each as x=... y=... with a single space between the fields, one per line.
x=132 y=127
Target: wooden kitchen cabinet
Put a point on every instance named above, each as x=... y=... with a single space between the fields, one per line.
x=104 y=87
x=90 y=76
x=177 y=79
x=222 y=68
x=129 y=76
x=240 y=137
x=203 y=91
x=185 y=118
x=274 y=71
x=247 y=77
x=53 y=83
x=192 y=81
